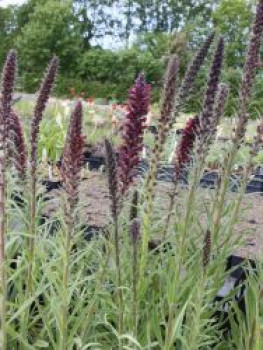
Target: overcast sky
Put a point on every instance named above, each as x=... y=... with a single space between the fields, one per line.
x=11 y=2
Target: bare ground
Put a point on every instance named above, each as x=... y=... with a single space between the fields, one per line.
x=95 y=200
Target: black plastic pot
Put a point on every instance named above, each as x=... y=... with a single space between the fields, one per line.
x=142 y=168
x=209 y=179
x=179 y=131
x=17 y=198
x=157 y=246
x=153 y=129
x=52 y=185
x=166 y=173
x=92 y=232
x=255 y=184
x=95 y=163
x=52 y=225
x=234 y=284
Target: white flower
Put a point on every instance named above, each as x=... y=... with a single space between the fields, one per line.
x=44 y=155
x=59 y=119
x=148 y=118
x=66 y=105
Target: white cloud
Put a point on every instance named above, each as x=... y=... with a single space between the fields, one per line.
x=4 y=3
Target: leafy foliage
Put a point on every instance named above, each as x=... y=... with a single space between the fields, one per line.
x=52 y=28
x=142 y=34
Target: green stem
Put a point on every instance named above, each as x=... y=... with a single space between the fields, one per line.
x=63 y=342
x=189 y=206
x=3 y=286
x=134 y=285
x=219 y=204
x=171 y=207
x=31 y=254
x=119 y=275
x=32 y=237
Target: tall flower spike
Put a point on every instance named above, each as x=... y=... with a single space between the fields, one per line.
x=221 y=101
x=193 y=69
x=134 y=205
x=211 y=91
x=186 y=144
x=18 y=146
x=206 y=250
x=164 y=123
x=135 y=230
x=42 y=99
x=72 y=157
x=8 y=83
x=133 y=131
x=7 y=87
x=168 y=100
x=249 y=73
x=112 y=177
x=113 y=189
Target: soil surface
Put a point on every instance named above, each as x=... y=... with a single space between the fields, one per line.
x=95 y=203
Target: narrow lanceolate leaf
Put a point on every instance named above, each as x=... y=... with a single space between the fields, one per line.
x=206 y=118
x=41 y=102
x=249 y=73
x=193 y=70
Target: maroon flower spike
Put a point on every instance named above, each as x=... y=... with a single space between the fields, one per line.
x=221 y=101
x=185 y=147
x=112 y=178
x=18 y=146
x=211 y=91
x=72 y=157
x=206 y=250
x=8 y=82
x=168 y=102
x=249 y=72
x=194 y=68
x=42 y=99
x=133 y=130
x=135 y=230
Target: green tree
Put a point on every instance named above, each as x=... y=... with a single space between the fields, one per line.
x=110 y=74
x=52 y=29
x=169 y=16
x=7 y=30
x=232 y=18
x=97 y=18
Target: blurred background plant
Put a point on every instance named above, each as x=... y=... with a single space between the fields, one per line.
x=109 y=48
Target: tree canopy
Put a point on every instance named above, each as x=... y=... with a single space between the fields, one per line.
x=86 y=35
